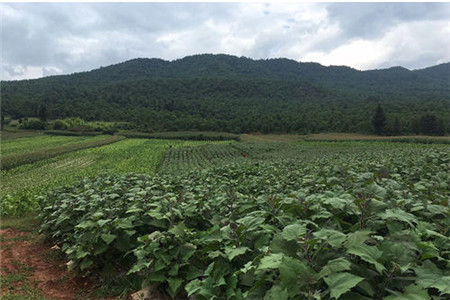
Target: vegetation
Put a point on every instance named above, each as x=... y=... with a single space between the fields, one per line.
x=21 y=186
x=193 y=136
x=305 y=221
x=230 y=94
x=379 y=120
x=38 y=148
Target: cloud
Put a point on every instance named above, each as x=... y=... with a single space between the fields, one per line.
x=41 y=39
x=416 y=44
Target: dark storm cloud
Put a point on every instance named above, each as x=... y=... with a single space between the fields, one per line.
x=41 y=39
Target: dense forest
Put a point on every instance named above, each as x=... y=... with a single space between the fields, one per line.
x=238 y=94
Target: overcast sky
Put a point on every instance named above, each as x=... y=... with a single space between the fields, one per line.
x=41 y=39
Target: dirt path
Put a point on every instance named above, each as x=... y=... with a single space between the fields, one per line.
x=32 y=269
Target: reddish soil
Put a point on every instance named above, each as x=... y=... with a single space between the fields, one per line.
x=28 y=254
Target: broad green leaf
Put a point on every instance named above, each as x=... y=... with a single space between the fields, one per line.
x=294 y=274
x=428 y=250
x=179 y=231
x=234 y=252
x=156 y=276
x=398 y=215
x=193 y=287
x=332 y=237
x=336 y=203
x=108 y=238
x=376 y=190
x=293 y=232
x=86 y=224
x=411 y=292
x=102 y=222
x=429 y=276
x=357 y=238
x=138 y=266
x=335 y=266
x=271 y=261
x=86 y=263
x=369 y=254
x=276 y=293
x=174 y=286
x=340 y=283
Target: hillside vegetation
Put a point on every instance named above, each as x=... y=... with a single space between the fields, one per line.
x=232 y=94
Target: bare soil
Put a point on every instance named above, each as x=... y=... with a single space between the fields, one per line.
x=27 y=260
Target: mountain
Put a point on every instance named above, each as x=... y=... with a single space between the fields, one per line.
x=224 y=92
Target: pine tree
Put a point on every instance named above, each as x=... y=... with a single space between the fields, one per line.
x=379 y=120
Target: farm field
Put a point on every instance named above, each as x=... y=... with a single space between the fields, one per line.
x=22 y=185
x=43 y=142
x=249 y=220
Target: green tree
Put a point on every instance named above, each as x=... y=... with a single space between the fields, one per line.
x=379 y=120
x=431 y=125
x=43 y=113
x=397 y=127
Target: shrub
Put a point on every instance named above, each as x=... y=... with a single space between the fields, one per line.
x=33 y=124
x=60 y=125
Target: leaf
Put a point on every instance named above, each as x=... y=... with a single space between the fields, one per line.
x=429 y=276
x=294 y=274
x=376 y=190
x=369 y=254
x=357 y=238
x=276 y=293
x=271 y=261
x=174 y=286
x=108 y=238
x=428 y=249
x=332 y=237
x=156 y=276
x=398 y=215
x=137 y=267
x=336 y=203
x=193 y=287
x=86 y=224
x=234 y=252
x=411 y=292
x=86 y=263
x=179 y=231
x=340 y=283
x=125 y=224
x=293 y=232
x=335 y=266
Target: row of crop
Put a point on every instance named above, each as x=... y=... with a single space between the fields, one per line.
x=15 y=160
x=185 y=159
x=42 y=142
x=367 y=226
x=22 y=185
x=193 y=136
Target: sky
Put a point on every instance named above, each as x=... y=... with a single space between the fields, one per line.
x=42 y=39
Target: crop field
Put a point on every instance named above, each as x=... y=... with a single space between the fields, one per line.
x=249 y=220
x=22 y=185
x=43 y=142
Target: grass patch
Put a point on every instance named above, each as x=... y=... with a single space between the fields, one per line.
x=24 y=292
x=14 y=134
x=27 y=223
x=15 y=160
x=11 y=278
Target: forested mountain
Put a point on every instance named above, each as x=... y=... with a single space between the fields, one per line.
x=237 y=94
